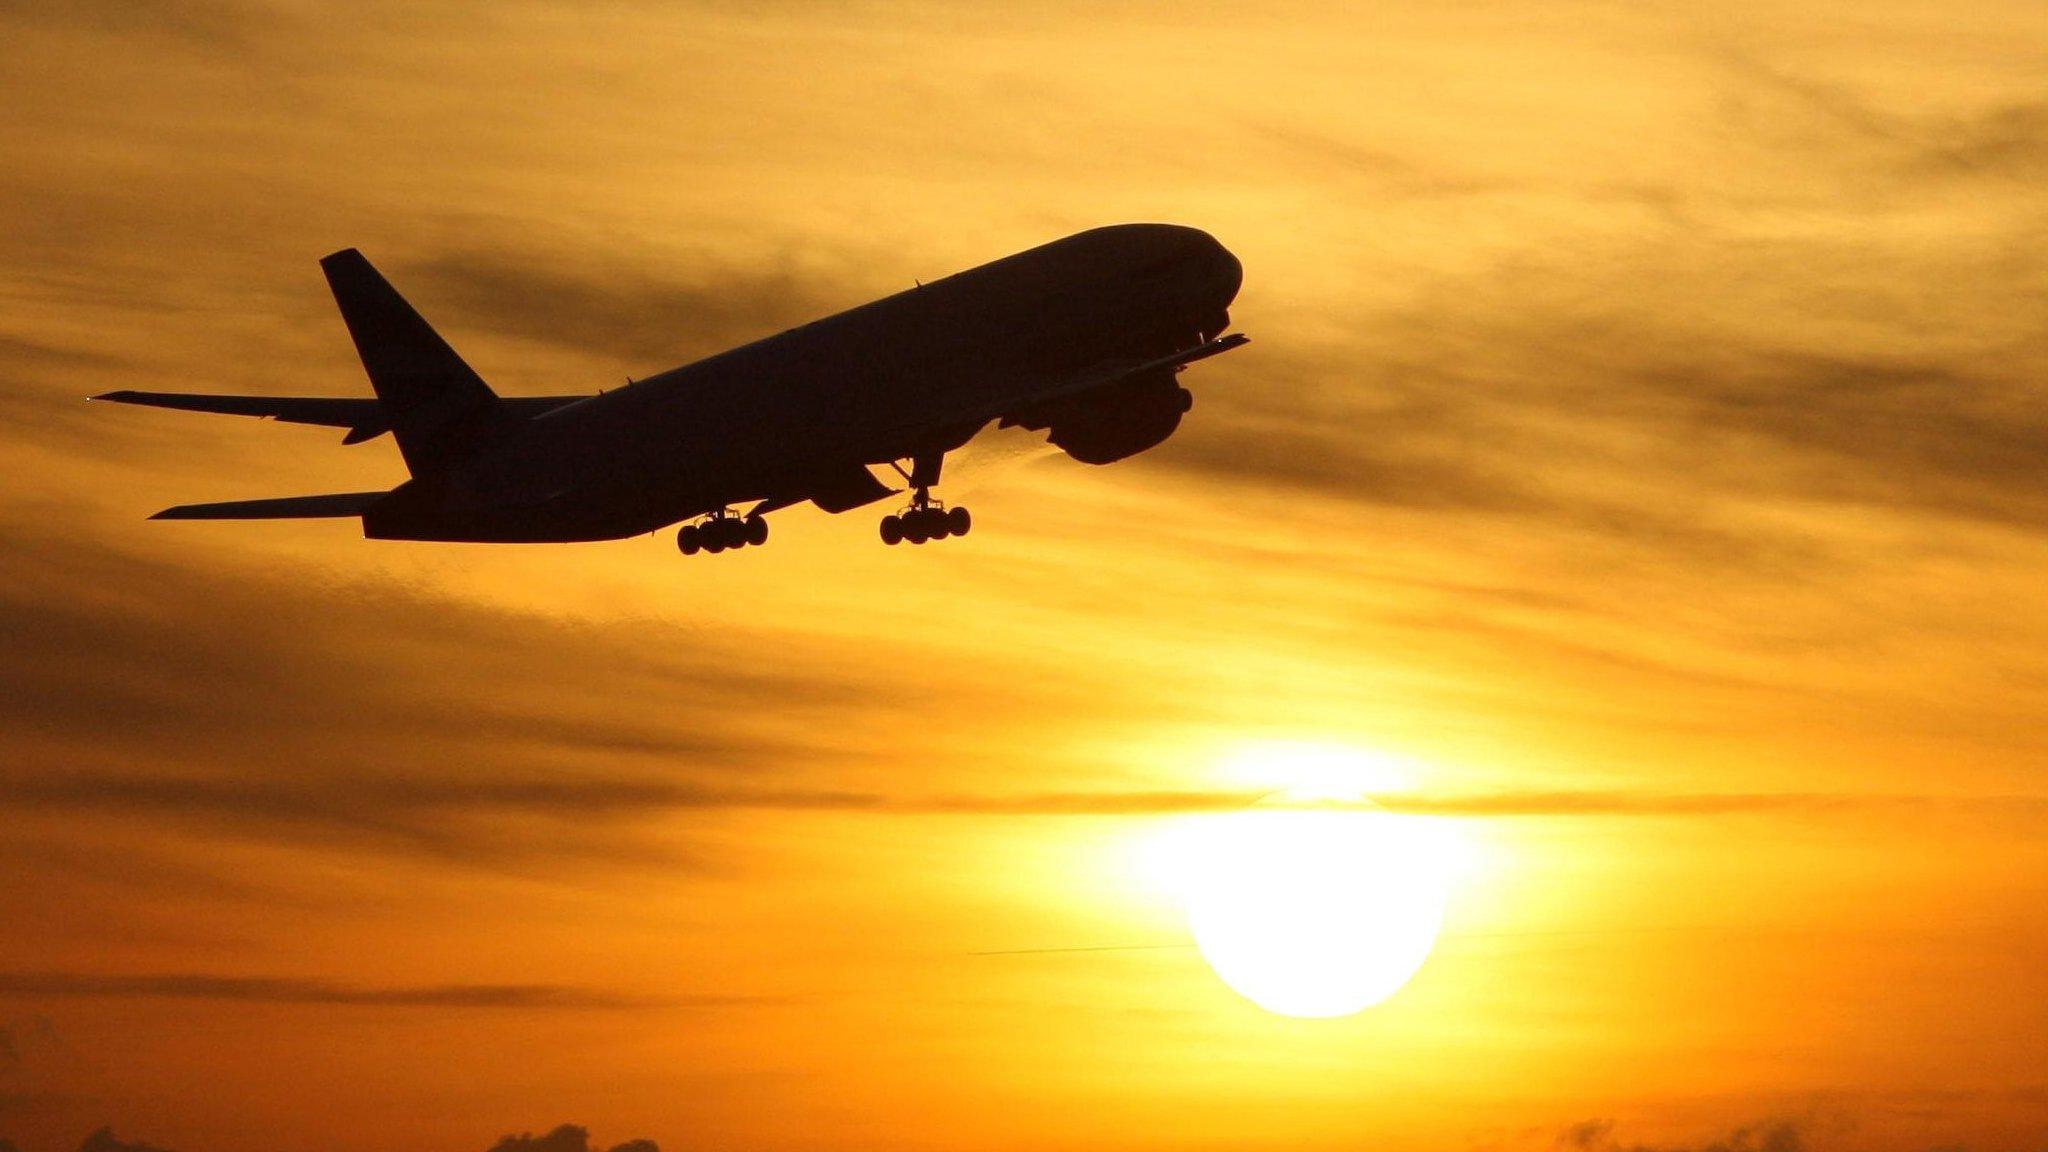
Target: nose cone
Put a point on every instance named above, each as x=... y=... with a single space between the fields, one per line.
x=1225 y=268
x=1215 y=271
x=1141 y=242
x=1185 y=262
x=1191 y=253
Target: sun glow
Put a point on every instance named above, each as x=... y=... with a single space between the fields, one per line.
x=1313 y=902
x=1307 y=770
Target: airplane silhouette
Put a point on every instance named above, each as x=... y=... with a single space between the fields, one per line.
x=1082 y=338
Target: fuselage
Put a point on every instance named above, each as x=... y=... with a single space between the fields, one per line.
x=914 y=372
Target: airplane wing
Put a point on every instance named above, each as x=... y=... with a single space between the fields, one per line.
x=362 y=416
x=851 y=486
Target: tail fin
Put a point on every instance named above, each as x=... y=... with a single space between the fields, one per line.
x=437 y=405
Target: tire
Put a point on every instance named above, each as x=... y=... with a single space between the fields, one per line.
x=892 y=530
x=915 y=530
x=958 y=521
x=686 y=540
x=757 y=530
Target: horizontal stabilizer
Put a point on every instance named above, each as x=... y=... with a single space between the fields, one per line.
x=280 y=508
x=363 y=417
x=336 y=412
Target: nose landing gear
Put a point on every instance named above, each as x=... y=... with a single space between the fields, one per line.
x=721 y=530
x=925 y=519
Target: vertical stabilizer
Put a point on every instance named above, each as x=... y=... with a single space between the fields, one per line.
x=437 y=405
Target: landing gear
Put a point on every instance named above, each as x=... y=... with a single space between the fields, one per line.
x=925 y=519
x=720 y=531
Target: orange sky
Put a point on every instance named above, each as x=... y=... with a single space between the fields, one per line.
x=1643 y=439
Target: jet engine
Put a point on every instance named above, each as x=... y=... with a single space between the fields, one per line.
x=1116 y=421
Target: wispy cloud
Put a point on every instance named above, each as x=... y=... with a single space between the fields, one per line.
x=275 y=990
x=601 y=800
x=388 y=706
x=648 y=318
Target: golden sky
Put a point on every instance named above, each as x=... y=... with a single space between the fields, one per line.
x=1644 y=441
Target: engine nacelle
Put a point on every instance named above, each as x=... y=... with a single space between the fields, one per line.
x=1120 y=421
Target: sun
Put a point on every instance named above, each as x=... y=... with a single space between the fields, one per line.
x=1314 y=903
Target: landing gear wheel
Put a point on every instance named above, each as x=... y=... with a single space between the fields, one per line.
x=721 y=531
x=925 y=518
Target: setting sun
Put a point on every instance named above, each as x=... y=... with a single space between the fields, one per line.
x=1313 y=902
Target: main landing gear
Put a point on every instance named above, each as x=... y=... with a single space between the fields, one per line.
x=925 y=519
x=720 y=531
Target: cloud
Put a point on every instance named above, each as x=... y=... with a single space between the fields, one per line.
x=596 y=797
x=1611 y=375
x=1999 y=139
x=1764 y=1136
x=605 y=307
x=1652 y=803
x=130 y=685
x=1616 y=405
x=566 y=1138
x=104 y=1140
x=210 y=24
x=1477 y=805
x=271 y=990
x=600 y=796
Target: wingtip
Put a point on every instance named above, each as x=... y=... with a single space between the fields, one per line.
x=345 y=254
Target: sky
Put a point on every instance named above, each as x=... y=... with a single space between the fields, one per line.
x=1642 y=453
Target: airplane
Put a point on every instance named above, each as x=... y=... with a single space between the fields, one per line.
x=1082 y=338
